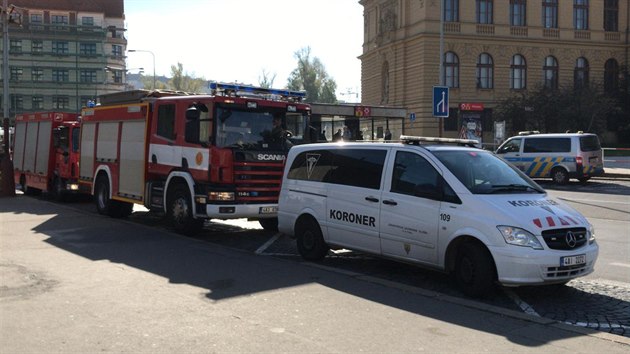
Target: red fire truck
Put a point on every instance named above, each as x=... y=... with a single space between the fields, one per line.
x=46 y=153
x=192 y=157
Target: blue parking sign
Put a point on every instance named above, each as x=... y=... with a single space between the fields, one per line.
x=440 y=101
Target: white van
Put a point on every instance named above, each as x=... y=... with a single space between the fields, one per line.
x=457 y=209
x=556 y=156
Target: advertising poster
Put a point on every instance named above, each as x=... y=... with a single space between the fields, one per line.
x=471 y=126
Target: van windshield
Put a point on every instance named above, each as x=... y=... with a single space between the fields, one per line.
x=484 y=173
x=589 y=143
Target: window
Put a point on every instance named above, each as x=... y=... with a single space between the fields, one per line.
x=166 y=121
x=15 y=46
x=580 y=14
x=348 y=164
x=37 y=74
x=37 y=47
x=451 y=69
x=611 y=75
x=37 y=102
x=550 y=13
x=60 y=20
x=547 y=145
x=87 y=76
x=87 y=21
x=87 y=48
x=340 y=167
x=485 y=71
x=61 y=102
x=36 y=21
x=118 y=76
x=580 y=73
x=60 y=75
x=59 y=47
x=518 y=72
x=484 y=11
x=17 y=102
x=513 y=145
x=518 y=9
x=16 y=74
x=611 y=15
x=451 y=10
x=550 y=73
x=117 y=50
x=413 y=174
x=385 y=82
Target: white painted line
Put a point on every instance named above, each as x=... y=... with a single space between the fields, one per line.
x=593 y=201
x=269 y=242
x=520 y=303
x=620 y=264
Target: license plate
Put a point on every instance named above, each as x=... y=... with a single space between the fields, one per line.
x=268 y=210
x=572 y=260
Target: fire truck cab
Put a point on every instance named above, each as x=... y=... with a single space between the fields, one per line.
x=192 y=157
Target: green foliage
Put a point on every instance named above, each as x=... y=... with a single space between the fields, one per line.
x=311 y=76
x=182 y=81
x=554 y=111
x=266 y=81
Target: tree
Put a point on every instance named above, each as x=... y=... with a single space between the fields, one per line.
x=558 y=110
x=311 y=76
x=266 y=80
x=181 y=81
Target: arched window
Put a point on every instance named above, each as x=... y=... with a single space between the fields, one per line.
x=518 y=72
x=611 y=75
x=451 y=69
x=550 y=72
x=485 y=71
x=580 y=73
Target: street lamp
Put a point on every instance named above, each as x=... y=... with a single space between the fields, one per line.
x=146 y=51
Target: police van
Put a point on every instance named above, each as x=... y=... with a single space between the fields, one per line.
x=453 y=208
x=557 y=156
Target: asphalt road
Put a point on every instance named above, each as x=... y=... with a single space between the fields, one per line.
x=600 y=301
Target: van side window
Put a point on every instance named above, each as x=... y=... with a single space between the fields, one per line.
x=312 y=165
x=414 y=175
x=547 y=145
x=511 y=146
x=358 y=167
x=166 y=121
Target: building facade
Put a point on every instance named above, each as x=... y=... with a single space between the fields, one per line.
x=64 y=53
x=491 y=49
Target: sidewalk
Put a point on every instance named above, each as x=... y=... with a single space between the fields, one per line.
x=614 y=172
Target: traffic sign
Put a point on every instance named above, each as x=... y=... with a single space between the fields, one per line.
x=440 y=101
x=412 y=117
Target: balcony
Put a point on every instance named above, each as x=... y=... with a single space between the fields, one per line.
x=518 y=31
x=487 y=30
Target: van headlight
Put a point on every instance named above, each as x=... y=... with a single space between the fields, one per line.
x=519 y=237
x=591 y=235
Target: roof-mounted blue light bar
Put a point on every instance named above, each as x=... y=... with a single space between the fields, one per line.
x=240 y=90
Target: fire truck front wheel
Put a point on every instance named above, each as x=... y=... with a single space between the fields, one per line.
x=180 y=211
x=107 y=206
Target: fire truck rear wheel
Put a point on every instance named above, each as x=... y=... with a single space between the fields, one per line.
x=180 y=212
x=107 y=206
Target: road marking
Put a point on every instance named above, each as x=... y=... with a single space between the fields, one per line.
x=592 y=201
x=620 y=264
x=266 y=245
x=520 y=303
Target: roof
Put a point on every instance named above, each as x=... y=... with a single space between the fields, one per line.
x=111 y=8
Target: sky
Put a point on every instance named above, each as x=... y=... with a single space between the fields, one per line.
x=236 y=40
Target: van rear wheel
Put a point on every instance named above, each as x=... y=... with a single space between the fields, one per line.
x=310 y=242
x=560 y=175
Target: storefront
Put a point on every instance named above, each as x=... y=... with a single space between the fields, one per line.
x=357 y=122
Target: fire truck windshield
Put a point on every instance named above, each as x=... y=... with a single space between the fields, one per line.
x=254 y=129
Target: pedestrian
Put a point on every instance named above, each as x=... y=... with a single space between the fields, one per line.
x=388 y=135
x=337 y=135
x=347 y=134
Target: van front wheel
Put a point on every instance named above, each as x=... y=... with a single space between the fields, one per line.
x=560 y=175
x=310 y=242
x=474 y=270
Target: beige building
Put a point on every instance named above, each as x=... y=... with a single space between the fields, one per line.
x=491 y=49
x=63 y=53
